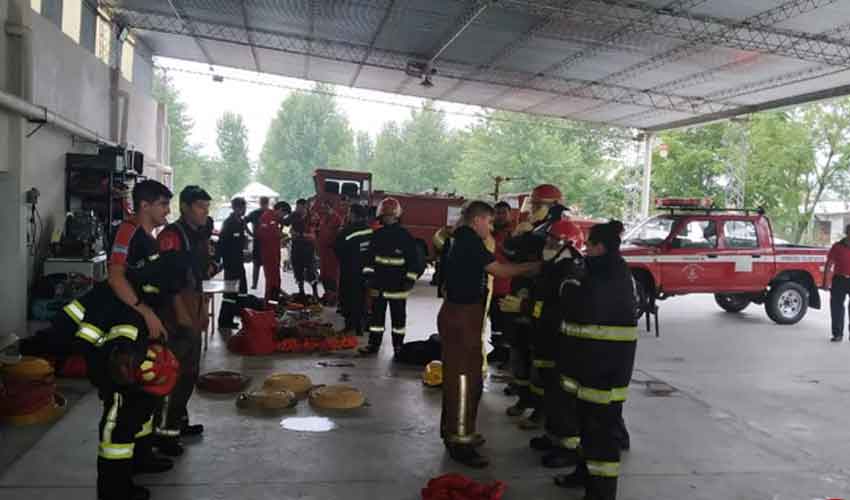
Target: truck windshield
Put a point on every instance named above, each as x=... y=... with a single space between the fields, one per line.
x=651 y=232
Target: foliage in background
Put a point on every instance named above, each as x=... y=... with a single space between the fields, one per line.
x=308 y=132
x=234 y=169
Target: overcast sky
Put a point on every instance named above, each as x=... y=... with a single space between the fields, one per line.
x=206 y=100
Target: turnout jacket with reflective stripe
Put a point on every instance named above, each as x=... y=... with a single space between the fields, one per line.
x=352 y=247
x=605 y=296
x=393 y=263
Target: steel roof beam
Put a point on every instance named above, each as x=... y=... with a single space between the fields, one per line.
x=354 y=54
x=314 y=13
x=626 y=29
x=181 y=16
x=390 y=9
x=250 y=37
x=701 y=34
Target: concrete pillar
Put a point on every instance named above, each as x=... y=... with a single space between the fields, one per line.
x=648 y=139
x=15 y=78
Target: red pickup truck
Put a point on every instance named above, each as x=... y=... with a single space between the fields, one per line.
x=729 y=253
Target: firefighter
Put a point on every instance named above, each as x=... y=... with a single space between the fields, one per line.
x=188 y=315
x=527 y=245
x=461 y=324
x=256 y=257
x=600 y=333
x=231 y=245
x=131 y=372
x=303 y=254
x=441 y=240
x=330 y=224
x=562 y=264
x=392 y=267
x=269 y=235
x=351 y=248
x=503 y=228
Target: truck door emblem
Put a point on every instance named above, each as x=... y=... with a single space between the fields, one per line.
x=692 y=272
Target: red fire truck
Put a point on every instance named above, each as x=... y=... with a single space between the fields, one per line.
x=423 y=214
x=694 y=248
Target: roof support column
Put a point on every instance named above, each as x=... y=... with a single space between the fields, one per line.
x=648 y=139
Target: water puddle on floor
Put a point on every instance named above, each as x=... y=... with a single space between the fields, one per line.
x=308 y=424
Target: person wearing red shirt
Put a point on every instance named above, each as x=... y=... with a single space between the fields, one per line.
x=838 y=268
x=329 y=226
x=270 y=236
x=503 y=228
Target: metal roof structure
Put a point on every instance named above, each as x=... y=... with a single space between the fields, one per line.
x=647 y=64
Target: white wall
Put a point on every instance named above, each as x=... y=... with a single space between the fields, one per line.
x=70 y=81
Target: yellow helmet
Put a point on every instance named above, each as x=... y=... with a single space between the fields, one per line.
x=432 y=376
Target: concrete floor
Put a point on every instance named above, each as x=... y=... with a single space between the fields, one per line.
x=759 y=413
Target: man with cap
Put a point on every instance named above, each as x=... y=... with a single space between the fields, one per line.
x=231 y=247
x=188 y=315
x=256 y=257
x=351 y=248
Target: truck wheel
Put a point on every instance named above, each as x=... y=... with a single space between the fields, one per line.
x=787 y=303
x=732 y=302
x=641 y=298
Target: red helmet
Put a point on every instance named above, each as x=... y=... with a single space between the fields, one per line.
x=389 y=207
x=160 y=370
x=546 y=193
x=565 y=230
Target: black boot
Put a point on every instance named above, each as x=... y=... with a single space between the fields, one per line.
x=517 y=408
x=541 y=443
x=114 y=481
x=560 y=458
x=191 y=429
x=169 y=446
x=145 y=461
x=467 y=455
x=576 y=479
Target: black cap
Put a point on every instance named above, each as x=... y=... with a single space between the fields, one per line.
x=283 y=206
x=359 y=211
x=191 y=194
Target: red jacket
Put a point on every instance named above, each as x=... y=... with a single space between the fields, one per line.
x=502 y=286
x=329 y=227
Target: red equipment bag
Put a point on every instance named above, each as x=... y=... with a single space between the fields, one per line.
x=459 y=487
x=257 y=336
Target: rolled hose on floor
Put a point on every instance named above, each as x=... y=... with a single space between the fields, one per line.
x=298 y=383
x=223 y=382
x=336 y=397
x=44 y=415
x=266 y=400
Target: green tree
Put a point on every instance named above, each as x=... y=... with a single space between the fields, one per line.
x=364 y=151
x=695 y=165
x=234 y=169
x=536 y=151
x=308 y=132
x=419 y=155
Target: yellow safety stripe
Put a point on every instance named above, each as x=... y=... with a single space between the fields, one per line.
x=569 y=384
x=127 y=331
x=377 y=329
x=570 y=443
x=150 y=289
x=167 y=432
x=603 y=469
x=539 y=391
x=390 y=261
x=396 y=295
x=538 y=309
x=362 y=232
x=90 y=333
x=600 y=332
x=107 y=449
x=75 y=310
x=457 y=439
x=153 y=257
x=147 y=429
x=543 y=363
x=229 y=301
x=368 y=270
x=399 y=331
x=591 y=395
x=412 y=276
x=619 y=394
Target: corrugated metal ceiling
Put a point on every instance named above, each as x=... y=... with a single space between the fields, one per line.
x=650 y=64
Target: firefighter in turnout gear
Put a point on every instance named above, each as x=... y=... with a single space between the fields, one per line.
x=231 y=247
x=600 y=333
x=351 y=248
x=392 y=267
x=131 y=373
x=527 y=246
